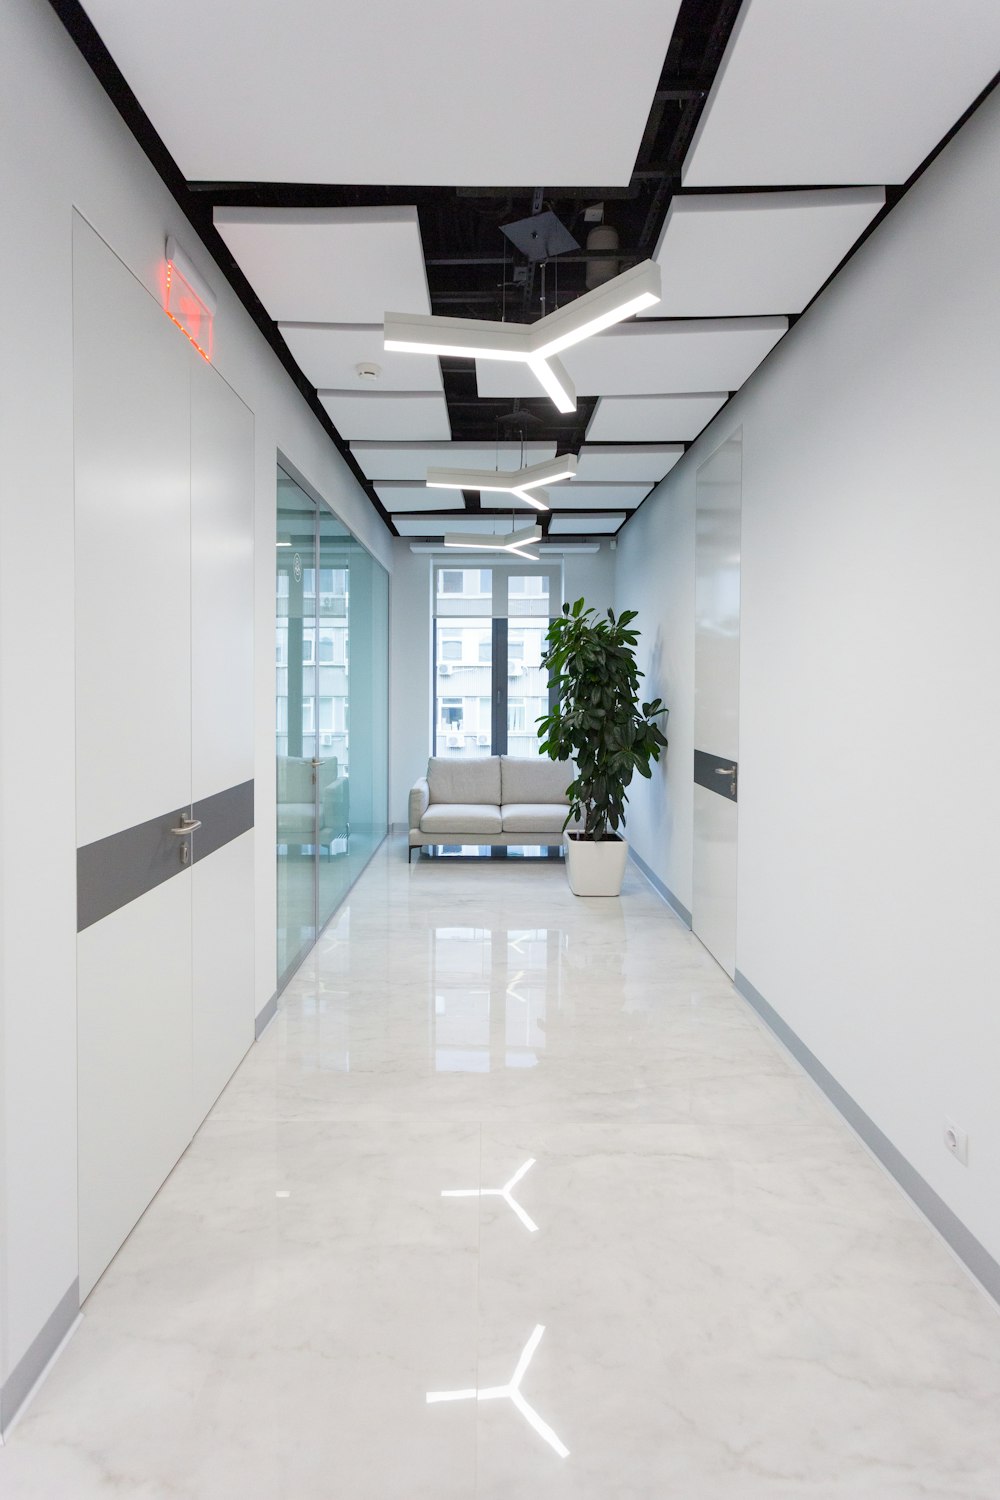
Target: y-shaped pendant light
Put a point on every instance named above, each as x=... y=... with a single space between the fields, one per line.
x=525 y=484
x=533 y=344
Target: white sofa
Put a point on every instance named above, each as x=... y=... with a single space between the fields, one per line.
x=496 y=799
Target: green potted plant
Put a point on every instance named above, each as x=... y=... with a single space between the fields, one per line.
x=600 y=724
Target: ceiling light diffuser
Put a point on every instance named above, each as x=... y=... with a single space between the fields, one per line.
x=533 y=344
x=524 y=484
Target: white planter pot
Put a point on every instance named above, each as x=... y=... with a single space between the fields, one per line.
x=595 y=869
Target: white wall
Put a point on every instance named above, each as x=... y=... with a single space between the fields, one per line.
x=410 y=654
x=70 y=148
x=869 y=882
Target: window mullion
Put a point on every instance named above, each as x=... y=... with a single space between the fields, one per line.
x=499 y=688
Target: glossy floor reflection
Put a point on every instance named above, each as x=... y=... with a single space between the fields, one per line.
x=516 y=1198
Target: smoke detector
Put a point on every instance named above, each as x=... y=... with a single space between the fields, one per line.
x=369 y=372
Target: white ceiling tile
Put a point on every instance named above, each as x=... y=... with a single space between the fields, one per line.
x=328 y=354
x=623 y=461
x=585 y=525
x=736 y=254
x=650 y=358
x=840 y=91
x=637 y=419
x=441 y=93
x=412 y=460
x=400 y=494
x=329 y=265
x=576 y=495
x=377 y=414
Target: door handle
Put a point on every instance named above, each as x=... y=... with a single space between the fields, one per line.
x=725 y=770
x=188 y=825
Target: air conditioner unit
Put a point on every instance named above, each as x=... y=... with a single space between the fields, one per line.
x=445 y=669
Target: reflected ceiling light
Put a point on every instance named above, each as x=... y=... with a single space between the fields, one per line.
x=525 y=484
x=507 y=541
x=512 y=1392
x=501 y=1192
x=533 y=344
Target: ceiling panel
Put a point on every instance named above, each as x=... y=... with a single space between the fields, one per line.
x=585 y=525
x=377 y=414
x=575 y=495
x=400 y=494
x=840 y=91
x=650 y=358
x=392 y=92
x=638 y=419
x=412 y=460
x=328 y=354
x=329 y=265
x=623 y=461
x=737 y=254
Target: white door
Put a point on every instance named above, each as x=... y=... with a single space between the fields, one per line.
x=163 y=476
x=717 y=681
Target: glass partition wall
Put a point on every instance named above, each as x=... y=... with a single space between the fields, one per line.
x=332 y=657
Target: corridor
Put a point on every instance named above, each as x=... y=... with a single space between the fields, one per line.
x=516 y=1198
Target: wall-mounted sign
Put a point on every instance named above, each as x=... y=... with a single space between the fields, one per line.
x=190 y=301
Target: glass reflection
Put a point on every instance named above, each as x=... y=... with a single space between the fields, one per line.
x=492 y=993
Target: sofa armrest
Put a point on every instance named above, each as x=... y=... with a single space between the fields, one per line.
x=420 y=801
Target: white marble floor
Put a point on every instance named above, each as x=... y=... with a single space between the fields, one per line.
x=699 y=1287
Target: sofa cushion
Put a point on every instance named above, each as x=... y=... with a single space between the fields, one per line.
x=446 y=818
x=534 y=817
x=460 y=780
x=534 y=779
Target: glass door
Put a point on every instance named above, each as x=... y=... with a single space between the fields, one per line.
x=296 y=724
x=332 y=616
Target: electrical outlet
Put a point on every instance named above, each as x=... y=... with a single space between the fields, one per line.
x=957 y=1141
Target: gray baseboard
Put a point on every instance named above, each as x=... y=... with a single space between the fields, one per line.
x=965 y=1245
x=266 y=1015
x=661 y=889
x=29 y=1367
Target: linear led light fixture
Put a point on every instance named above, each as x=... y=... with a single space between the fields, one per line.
x=518 y=482
x=509 y=541
x=533 y=344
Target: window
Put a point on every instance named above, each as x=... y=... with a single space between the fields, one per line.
x=490 y=626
